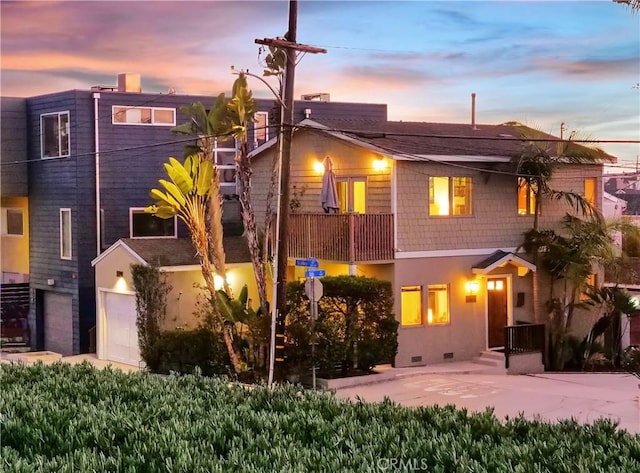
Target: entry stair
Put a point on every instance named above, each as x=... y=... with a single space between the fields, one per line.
x=491 y=358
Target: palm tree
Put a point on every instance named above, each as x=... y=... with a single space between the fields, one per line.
x=539 y=158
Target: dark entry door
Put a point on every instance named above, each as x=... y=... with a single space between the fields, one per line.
x=496 y=310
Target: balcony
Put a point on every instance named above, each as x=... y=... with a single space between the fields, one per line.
x=348 y=238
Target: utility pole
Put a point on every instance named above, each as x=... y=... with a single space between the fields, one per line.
x=276 y=368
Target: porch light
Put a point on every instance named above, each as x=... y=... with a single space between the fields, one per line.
x=318 y=167
x=379 y=164
x=471 y=290
x=121 y=282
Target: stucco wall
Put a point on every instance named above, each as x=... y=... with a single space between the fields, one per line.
x=14 y=248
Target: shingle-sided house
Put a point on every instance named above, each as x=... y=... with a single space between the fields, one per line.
x=93 y=156
x=434 y=208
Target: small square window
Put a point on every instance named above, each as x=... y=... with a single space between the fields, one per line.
x=450 y=196
x=12 y=222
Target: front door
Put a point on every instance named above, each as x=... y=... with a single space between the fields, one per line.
x=496 y=310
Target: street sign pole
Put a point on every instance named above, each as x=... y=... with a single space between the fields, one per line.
x=314 y=291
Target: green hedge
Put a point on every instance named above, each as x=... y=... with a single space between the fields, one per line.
x=64 y=418
x=181 y=351
x=356 y=327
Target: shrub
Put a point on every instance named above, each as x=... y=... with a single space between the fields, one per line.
x=355 y=329
x=631 y=360
x=64 y=418
x=181 y=351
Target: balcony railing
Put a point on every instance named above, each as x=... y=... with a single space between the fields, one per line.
x=525 y=338
x=350 y=238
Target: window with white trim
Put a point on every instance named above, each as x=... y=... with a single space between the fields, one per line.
x=12 y=222
x=146 y=225
x=65 y=234
x=54 y=135
x=526 y=197
x=260 y=128
x=157 y=116
x=449 y=196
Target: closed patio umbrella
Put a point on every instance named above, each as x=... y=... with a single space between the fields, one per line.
x=329 y=192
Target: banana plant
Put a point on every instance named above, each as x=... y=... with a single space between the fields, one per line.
x=186 y=195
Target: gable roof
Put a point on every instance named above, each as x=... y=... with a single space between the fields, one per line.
x=170 y=252
x=499 y=259
x=417 y=141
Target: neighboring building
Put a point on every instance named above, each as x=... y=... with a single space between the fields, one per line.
x=93 y=156
x=434 y=208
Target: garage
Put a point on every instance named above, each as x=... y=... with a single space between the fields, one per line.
x=120 y=331
x=58 y=323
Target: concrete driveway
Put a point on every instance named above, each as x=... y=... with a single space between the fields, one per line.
x=549 y=396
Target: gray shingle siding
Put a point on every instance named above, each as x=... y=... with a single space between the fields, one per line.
x=13 y=146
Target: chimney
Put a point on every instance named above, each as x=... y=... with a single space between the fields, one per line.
x=129 y=82
x=473 y=111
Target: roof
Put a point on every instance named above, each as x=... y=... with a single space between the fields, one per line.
x=433 y=141
x=499 y=259
x=167 y=252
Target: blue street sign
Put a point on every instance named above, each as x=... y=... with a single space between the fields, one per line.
x=317 y=273
x=309 y=262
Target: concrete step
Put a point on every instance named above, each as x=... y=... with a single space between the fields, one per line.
x=490 y=358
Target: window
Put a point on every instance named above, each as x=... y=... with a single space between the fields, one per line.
x=411 y=305
x=526 y=197
x=352 y=194
x=438 y=312
x=590 y=190
x=12 y=222
x=65 y=233
x=143 y=116
x=145 y=225
x=450 y=196
x=590 y=283
x=54 y=135
x=261 y=128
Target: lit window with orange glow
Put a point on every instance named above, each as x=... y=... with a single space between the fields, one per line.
x=526 y=197
x=450 y=196
x=590 y=190
x=438 y=311
x=411 y=305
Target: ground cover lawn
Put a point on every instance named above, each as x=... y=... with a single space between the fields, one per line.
x=64 y=418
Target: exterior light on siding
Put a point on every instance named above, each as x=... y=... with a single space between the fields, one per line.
x=471 y=290
x=121 y=282
x=318 y=167
x=380 y=164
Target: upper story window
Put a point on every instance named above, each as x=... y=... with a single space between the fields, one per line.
x=145 y=225
x=450 y=196
x=54 y=135
x=260 y=128
x=590 y=190
x=157 y=116
x=65 y=234
x=526 y=197
x=12 y=222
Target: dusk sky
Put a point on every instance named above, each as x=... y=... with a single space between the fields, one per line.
x=540 y=63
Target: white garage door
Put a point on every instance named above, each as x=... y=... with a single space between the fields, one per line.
x=58 y=323
x=121 y=331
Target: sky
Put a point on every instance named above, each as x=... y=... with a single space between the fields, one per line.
x=542 y=63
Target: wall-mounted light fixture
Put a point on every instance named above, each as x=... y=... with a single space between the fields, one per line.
x=121 y=282
x=119 y=274
x=380 y=164
x=318 y=167
x=471 y=289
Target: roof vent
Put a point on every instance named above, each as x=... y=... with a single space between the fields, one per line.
x=129 y=82
x=320 y=96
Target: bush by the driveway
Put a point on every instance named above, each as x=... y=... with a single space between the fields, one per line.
x=64 y=418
